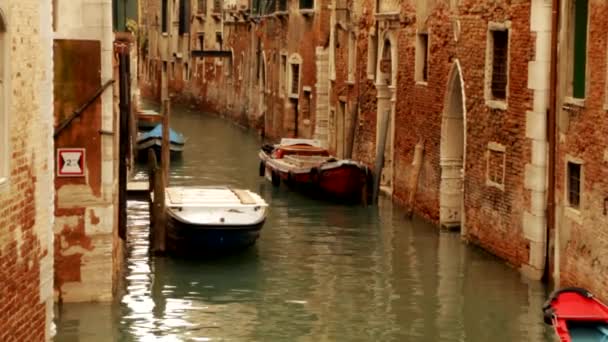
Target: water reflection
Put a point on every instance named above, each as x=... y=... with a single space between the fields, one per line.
x=320 y=272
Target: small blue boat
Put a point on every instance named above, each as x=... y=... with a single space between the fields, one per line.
x=154 y=138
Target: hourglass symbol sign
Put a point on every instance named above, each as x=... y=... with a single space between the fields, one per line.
x=70 y=162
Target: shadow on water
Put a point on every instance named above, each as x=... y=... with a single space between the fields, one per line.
x=319 y=272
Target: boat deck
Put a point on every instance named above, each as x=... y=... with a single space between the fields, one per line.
x=209 y=197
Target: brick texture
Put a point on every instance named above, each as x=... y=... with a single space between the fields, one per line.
x=25 y=201
x=583 y=236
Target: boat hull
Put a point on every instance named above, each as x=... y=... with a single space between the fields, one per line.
x=188 y=239
x=175 y=150
x=341 y=180
x=577 y=316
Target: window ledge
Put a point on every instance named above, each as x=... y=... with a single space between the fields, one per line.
x=307 y=12
x=371 y=77
x=422 y=83
x=281 y=13
x=574 y=214
x=493 y=184
x=496 y=104
x=294 y=96
x=165 y=34
x=571 y=101
x=350 y=82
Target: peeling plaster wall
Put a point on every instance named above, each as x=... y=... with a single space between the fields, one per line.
x=26 y=198
x=86 y=208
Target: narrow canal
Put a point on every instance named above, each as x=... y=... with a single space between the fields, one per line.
x=320 y=272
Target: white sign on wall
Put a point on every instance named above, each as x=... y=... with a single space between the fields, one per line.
x=70 y=162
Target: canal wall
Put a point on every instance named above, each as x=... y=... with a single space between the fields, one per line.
x=26 y=176
x=88 y=251
x=465 y=81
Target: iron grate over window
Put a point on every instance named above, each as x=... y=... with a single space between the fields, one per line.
x=217 y=6
x=202 y=6
x=574 y=185
x=500 y=64
x=295 y=79
x=282 y=5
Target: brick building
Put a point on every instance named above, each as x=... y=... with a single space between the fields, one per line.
x=581 y=237
x=465 y=82
x=26 y=164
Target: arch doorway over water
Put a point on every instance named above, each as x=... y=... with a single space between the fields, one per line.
x=453 y=142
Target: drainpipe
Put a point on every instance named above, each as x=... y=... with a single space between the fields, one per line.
x=551 y=135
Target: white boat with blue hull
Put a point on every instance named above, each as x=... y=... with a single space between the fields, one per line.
x=212 y=220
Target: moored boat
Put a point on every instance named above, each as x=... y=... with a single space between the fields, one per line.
x=305 y=165
x=212 y=220
x=154 y=138
x=577 y=316
x=147 y=119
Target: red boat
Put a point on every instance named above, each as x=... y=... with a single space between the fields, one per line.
x=577 y=316
x=305 y=165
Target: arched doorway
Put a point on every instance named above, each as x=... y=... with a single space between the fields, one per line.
x=453 y=140
x=386 y=85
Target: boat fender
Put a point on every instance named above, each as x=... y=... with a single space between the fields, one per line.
x=276 y=180
x=262 y=171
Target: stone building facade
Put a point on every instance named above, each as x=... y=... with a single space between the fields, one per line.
x=26 y=177
x=465 y=82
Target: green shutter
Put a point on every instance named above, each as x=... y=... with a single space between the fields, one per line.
x=580 y=48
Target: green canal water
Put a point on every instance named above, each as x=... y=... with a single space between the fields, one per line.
x=319 y=272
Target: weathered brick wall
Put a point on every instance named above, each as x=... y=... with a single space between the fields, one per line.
x=26 y=199
x=583 y=236
x=493 y=216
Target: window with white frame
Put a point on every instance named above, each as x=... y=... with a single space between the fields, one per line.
x=352 y=56
x=295 y=61
x=497 y=65
x=422 y=60
x=4 y=140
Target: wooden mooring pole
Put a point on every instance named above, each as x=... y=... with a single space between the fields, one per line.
x=157 y=206
x=165 y=148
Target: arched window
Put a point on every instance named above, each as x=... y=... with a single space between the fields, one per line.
x=4 y=140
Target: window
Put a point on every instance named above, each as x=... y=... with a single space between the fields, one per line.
x=228 y=72
x=4 y=141
x=218 y=40
x=579 y=53
x=497 y=66
x=282 y=5
x=495 y=165
x=163 y=15
x=294 y=76
x=201 y=41
x=217 y=6
x=352 y=56
x=372 y=56
x=294 y=88
x=202 y=6
x=283 y=76
x=422 y=48
x=184 y=17
x=307 y=4
x=574 y=185
x=186 y=72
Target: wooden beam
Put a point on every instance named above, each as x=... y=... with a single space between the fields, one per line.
x=211 y=53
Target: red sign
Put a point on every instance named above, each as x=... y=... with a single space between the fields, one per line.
x=70 y=162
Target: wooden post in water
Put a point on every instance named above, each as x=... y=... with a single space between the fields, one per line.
x=157 y=206
x=418 y=154
x=380 y=153
x=152 y=170
x=165 y=148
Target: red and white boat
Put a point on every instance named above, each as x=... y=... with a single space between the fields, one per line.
x=305 y=165
x=577 y=316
